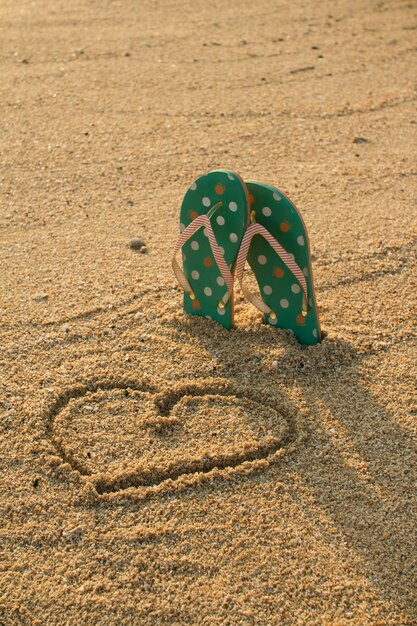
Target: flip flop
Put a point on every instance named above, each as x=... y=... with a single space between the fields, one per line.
x=277 y=249
x=213 y=219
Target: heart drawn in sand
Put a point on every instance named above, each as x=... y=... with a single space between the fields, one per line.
x=129 y=434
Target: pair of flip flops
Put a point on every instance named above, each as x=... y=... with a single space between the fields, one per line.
x=226 y=222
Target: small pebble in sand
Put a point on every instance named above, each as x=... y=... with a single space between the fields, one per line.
x=65 y=328
x=274 y=365
x=143 y=250
x=41 y=297
x=360 y=140
x=71 y=533
x=136 y=243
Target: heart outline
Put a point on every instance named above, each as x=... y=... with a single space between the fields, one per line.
x=165 y=400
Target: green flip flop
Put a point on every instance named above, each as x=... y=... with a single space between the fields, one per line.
x=277 y=249
x=213 y=219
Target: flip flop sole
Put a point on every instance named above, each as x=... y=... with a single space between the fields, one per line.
x=229 y=222
x=277 y=284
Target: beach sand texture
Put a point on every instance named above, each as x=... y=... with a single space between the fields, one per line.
x=156 y=468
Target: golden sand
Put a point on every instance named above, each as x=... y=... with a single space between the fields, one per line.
x=155 y=468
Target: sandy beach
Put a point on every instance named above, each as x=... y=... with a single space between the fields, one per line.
x=156 y=468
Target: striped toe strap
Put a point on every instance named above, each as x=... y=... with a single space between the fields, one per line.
x=258 y=229
x=199 y=222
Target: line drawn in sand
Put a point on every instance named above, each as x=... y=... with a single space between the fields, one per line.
x=129 y=434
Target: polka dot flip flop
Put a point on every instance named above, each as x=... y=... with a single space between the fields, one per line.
x=214 y=217
x=276 y=247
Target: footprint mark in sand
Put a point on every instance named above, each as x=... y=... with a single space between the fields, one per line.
x=130 y=434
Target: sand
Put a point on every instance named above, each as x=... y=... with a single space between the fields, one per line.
x=156 y=468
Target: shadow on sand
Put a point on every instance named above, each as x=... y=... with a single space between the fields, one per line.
x=357 y=462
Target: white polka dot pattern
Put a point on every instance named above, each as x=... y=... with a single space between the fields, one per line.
x=212 y=273
x=258 y=229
